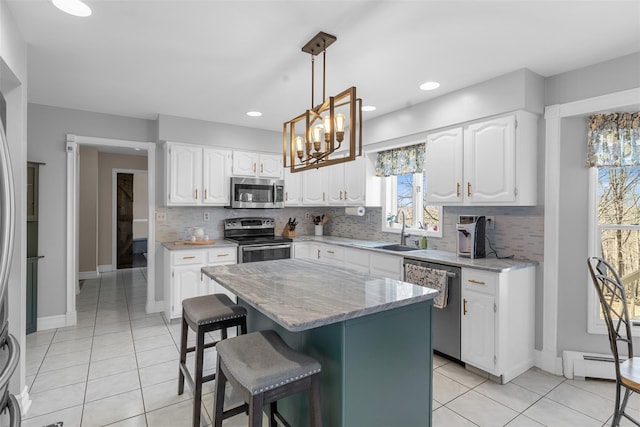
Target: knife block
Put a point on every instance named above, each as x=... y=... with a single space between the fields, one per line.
x=288 y=232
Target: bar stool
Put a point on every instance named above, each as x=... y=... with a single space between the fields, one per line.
x=264 y=369
x=205 y=314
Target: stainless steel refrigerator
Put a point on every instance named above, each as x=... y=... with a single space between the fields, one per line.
x=9 y=346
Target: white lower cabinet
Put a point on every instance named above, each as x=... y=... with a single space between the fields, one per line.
x=361 y=260
x=183 y=277
x=497 y=328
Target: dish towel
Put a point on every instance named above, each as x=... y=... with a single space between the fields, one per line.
x=430 y=278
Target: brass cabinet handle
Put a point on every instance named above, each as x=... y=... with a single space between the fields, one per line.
x=323 y=196
x=188 y=257
x=341 y=195
x=318 y=253
x=254 y=168
x=457 y=189
x=464 y=307
x=261 y=167
x=477 y=282
x=205 y=194
x=196 y=194
x=345 y=194
x=286 y=195
x=330 y=252
x=469 y=189
x=222 y=255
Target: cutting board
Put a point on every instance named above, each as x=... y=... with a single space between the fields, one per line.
x=196 y=243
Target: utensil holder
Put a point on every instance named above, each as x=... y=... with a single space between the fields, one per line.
x=318 y=230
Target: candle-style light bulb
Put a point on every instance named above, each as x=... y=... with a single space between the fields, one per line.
x=317 y=136
x=299 y=146
x=340 y=123
x=326 y=122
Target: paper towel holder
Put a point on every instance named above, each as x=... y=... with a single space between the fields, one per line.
x=354 y=210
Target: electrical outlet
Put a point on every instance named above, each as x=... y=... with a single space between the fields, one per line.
x=491 y=222
x=161 y=216
x=307 y=215
x=205 y=216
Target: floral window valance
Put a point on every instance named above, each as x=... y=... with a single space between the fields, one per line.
x=400 y=161
x=614 y=140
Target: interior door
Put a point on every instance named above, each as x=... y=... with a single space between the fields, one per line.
x=124 y=237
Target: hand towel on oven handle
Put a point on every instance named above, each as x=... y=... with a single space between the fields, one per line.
x=430 y=278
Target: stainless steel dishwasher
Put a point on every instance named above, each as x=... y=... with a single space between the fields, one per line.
x=446 y=321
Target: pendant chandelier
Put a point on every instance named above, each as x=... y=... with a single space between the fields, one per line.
x=311 y=140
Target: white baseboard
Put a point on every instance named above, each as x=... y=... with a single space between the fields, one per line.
x=24 y=401
x=52 y=322
x=548 y=362
x=105 y=268
x=154 y=306
x=85 y=275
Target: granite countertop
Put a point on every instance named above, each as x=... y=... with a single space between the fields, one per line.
x=429 y=255
x=302 y=295
x=172 y=246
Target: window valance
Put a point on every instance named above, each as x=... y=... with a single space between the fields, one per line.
x=614 y=140
x=401 y=161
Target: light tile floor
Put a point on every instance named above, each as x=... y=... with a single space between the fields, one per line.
x=118 y=366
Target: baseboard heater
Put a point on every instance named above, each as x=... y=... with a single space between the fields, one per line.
x=579 y=365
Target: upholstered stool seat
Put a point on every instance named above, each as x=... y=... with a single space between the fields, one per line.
x=263 y=369
x=205 y=314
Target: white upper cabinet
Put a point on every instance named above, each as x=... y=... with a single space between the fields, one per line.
x=216 y=170
x=184 y=174
x=197 y=175
x=444 y=178
x=489 y=161
x=492 y=162
x=292 y=188
x=248 y=163
x=314 y=187
x=346 y=183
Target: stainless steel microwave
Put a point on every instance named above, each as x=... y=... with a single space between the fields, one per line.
x=257 y=193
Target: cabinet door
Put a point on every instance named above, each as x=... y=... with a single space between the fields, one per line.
x=354 y=182
x=314 y=183
x=386 y=265
x=184 y=174
x=216 y=170
x=335 y=185
x=478 y=330
x=332 y=254
x=443 y=167
x=489 y=161
x=302 y=250
x=271 y=166
x=292 y=188
x=186 y=284
x=245 y=163
x=356 y=259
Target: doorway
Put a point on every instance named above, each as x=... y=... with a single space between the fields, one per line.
x=149 y=148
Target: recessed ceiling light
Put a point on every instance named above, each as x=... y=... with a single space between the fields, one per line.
x=429 y=85
x=368 y=108
x=254 y=113
x=73 y=7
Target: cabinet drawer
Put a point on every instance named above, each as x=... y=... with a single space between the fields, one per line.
x=480 y=281
x=225 y=255
x=332 y=254
x=187 y=257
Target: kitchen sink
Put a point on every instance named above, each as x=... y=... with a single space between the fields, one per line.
x=398 y=248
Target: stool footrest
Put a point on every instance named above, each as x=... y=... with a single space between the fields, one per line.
x=242 y=409
x=207 y=345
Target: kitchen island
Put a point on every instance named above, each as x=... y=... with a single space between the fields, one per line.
x=372 y=336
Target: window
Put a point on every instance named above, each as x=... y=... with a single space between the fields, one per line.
x=405 y=194
x=613 y=153
x=615 y=233
x=404 y=184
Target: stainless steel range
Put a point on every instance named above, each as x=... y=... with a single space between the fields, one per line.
x=256 y=239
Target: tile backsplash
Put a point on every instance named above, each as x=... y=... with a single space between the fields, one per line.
x=518 y=231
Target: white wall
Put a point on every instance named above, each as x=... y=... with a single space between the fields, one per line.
x=13 y=84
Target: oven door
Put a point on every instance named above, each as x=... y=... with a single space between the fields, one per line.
x=254 y=253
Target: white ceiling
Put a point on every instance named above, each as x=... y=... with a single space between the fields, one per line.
x=215 y=60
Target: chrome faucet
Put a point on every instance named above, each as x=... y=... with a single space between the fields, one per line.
x=403 y=237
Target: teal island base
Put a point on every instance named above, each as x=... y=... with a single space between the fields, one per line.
x=376 y=369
